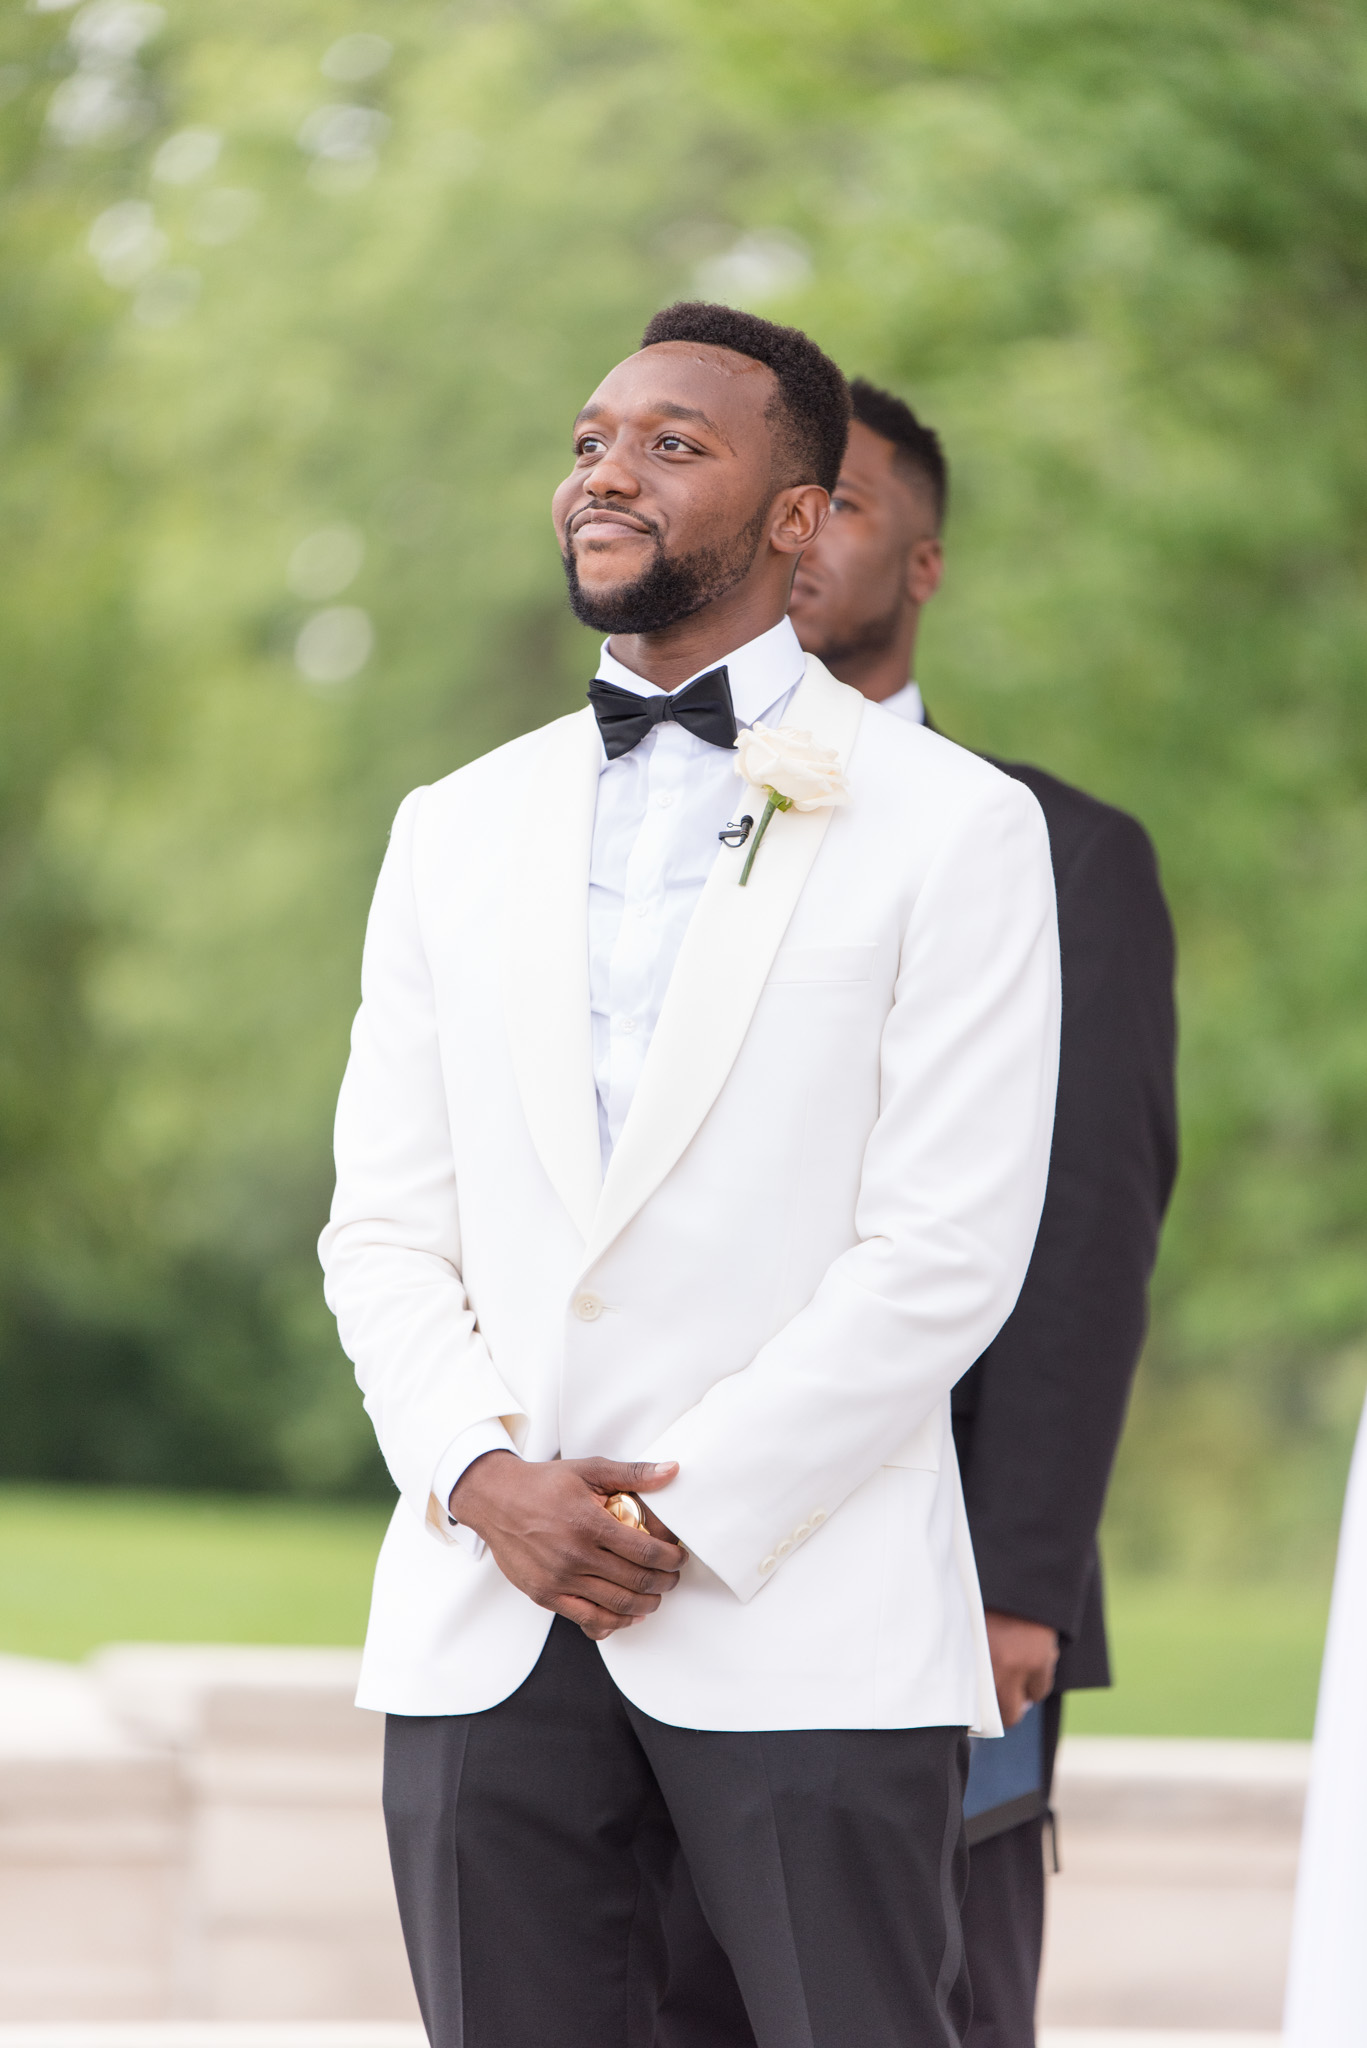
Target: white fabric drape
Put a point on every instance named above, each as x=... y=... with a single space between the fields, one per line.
x=1326 y=2000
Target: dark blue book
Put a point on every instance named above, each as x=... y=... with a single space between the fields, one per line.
x=1006 y=1778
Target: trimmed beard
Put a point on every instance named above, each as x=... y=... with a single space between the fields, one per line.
x=672 y=588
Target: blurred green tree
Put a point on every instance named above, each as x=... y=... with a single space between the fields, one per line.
x=299 y=301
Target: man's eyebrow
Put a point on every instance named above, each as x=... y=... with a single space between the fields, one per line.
x=665 y=409
x=669 y=411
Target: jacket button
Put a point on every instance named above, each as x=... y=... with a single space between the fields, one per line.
x=802 y=1529
x=766 y=1564
x=817 y=1516
x=587 y=1307
x=784 y=1547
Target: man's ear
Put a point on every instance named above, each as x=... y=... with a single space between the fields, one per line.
x=799 y=513
x=925 y=568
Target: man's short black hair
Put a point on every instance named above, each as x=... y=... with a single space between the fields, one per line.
x=812 y=418
x=917 y=445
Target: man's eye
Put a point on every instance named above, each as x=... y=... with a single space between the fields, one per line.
x=672 y=442
x=840 y=504
x=591 y=444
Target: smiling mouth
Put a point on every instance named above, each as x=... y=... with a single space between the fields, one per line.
x=601 y=516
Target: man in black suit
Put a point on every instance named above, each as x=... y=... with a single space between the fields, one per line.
x=1038 y=1417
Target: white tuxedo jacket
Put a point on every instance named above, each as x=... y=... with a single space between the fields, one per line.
x=820 y=1211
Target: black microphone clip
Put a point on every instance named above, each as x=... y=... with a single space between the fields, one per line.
x=736 y=835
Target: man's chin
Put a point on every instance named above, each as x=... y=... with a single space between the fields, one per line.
x=806 y=627
x=670 y=590
x=833 y=645
x=810 y=637
x=644 y=604
x=610 y=608
x=616 y=597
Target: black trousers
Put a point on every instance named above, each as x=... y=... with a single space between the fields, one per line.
x=535 y=1848
x=1003 y=1929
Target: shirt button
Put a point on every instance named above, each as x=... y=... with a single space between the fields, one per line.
x=626 y=1025
x=766 y=1564
x=587 y=1307
x=663 y=800
x=643 y=910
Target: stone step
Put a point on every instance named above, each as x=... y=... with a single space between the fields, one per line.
x=197 y=1830
x=269 y=2034
x=213 y=2034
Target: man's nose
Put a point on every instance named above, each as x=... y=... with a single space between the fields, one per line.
x=610 y=477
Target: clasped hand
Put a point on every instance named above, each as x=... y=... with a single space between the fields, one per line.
x=553 y=1538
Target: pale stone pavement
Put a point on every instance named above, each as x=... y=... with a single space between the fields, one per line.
x=262 y=2034
x=193 y=1835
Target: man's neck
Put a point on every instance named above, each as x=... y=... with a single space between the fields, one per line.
x=671 y=656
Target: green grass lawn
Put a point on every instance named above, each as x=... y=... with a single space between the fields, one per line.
x=80 y=1567
x=1209 y=1659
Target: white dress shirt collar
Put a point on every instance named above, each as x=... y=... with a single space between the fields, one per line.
x=906 y=703
x=760 y=672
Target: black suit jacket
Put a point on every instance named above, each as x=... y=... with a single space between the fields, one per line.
x=1037 y=1419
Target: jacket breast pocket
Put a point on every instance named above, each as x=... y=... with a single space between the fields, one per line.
x=794 y=964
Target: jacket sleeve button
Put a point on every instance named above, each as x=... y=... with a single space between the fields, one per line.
x=766 y=1564
x=816 y=1517
x=784 y=1547
x=802 y=1529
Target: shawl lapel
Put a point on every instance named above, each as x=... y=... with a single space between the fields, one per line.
x=545 y=962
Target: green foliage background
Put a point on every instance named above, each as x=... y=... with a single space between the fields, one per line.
x=1117 y=252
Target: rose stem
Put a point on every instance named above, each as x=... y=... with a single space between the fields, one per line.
x=769 y=810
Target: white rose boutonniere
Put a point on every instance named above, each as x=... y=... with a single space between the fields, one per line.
x=794 y=773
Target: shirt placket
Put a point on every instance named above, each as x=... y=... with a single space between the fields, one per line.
x=637 y=956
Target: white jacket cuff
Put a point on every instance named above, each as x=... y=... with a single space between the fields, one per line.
x=452 y=1466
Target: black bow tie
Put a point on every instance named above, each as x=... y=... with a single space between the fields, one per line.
x=702 y=707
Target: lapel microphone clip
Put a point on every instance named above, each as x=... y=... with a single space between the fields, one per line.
x=736 y=835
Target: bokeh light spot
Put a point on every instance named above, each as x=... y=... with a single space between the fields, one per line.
x=189 y=154
x=113 y=31
x=352 y=58
x=222 y=215
x=126 y=243
x=326 y=562
x=166 y=297
x=760 y=266
x=334 y=645
x=343 y=133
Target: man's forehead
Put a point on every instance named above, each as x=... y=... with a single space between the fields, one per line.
x=709 y=356
x=874 y=462
x=868 y=450
x=683 y=379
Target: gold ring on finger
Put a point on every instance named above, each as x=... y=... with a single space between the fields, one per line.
x=627 y=1509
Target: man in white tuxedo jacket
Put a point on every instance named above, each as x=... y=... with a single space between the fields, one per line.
x=686 y=1165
